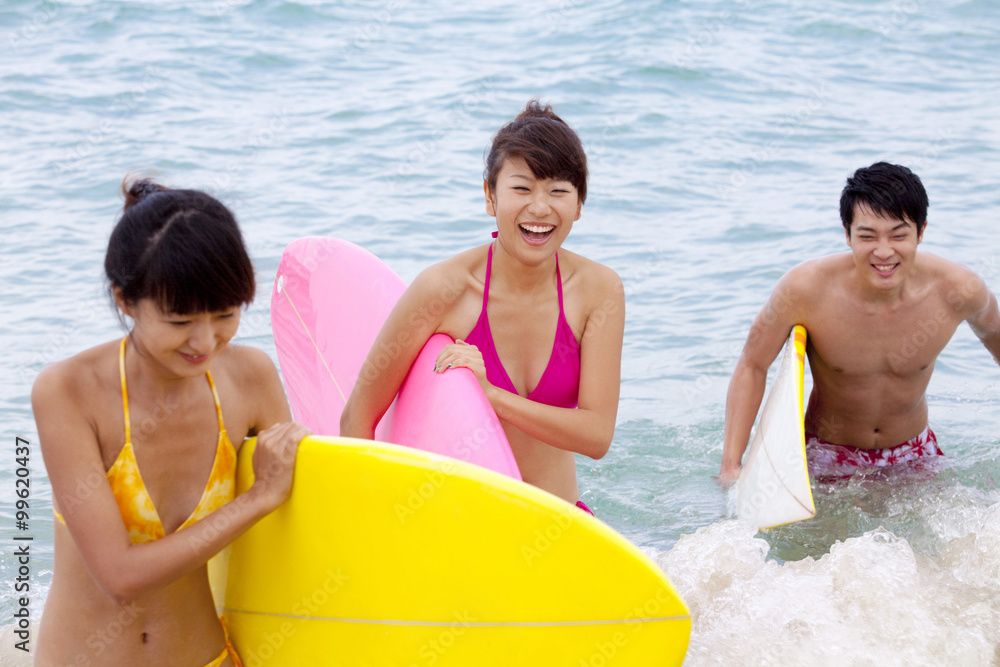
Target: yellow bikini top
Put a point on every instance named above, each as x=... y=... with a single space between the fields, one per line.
x=136 y=506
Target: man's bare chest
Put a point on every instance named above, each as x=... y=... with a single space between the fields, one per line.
x=854 y=342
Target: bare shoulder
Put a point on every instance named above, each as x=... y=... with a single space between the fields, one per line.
x=246 y=366
x=251 y=375
x=453 y=272
x=816 y=275
x=444 y=296
x=798 y=294
x=78 y=378
x=62 y=381
x=597 y=281
x=956 y=283
x=943 y=270
x=69 y=395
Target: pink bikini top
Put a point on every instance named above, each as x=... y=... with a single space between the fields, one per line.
x=560 y=383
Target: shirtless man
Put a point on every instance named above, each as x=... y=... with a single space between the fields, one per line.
x=877 y=317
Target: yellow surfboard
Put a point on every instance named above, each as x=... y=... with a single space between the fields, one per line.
x=390 y=556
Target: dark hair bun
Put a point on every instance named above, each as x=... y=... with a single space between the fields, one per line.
x=137 y=190
x=535 y=109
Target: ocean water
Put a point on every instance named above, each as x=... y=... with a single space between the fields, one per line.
x=719 y=135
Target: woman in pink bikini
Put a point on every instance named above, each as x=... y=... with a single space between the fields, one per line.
x=540 y=326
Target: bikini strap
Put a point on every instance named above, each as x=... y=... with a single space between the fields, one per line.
x=218 y=406
x=121 y=370
x=559 y=284
x=486 y=286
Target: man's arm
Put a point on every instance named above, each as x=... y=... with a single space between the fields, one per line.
x=985 y=320
x=768 y=334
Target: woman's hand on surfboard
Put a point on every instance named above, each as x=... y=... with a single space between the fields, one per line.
x=463 y=355
x=274 y=459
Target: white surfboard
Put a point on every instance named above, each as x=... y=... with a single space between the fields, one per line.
x=773 y=487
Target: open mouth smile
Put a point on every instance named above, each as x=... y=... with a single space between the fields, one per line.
x=535 y=234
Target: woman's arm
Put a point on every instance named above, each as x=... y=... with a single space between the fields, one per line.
x=260 y=388
x=124 y=571
x=416 y=317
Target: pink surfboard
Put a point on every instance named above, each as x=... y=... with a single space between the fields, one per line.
x=329 y=301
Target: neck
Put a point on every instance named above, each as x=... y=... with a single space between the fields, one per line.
x=875 y=296
x=520 y=276
x=150 y=379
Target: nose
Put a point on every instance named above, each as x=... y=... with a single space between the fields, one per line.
x=884 y=250
x=539 y=205
x=202 y=337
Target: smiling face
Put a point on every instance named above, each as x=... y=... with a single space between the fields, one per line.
x=532 y=214
x=181 y=345
x=883 y=248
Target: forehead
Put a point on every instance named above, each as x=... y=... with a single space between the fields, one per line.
x=516 y=167
x=159 y=308
x=866 y=219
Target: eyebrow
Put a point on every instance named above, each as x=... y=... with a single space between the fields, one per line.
x=903 y=225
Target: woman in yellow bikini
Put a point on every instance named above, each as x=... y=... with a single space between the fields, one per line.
x=139 y=437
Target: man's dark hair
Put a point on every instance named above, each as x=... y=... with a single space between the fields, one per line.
x=889 y=190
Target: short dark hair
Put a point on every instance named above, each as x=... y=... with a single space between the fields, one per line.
x=545 y=142
x=889 y=190
x=182 y=248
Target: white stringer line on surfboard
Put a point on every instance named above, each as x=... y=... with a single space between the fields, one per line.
x=781 y=479
x=436 y=624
